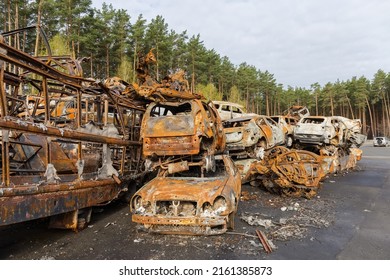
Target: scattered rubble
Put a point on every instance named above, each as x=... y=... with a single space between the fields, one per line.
x=294 y=220
x=256 y=221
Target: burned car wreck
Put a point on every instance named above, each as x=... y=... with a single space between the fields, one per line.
x=181 y=128
x=286 y=172
x=321 y=131
x=250 y=136
x=321 y=146
x=193 y=201
x=287 y=124
x=197 y=188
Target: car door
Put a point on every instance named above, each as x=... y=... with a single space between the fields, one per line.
x=277 y=132
x=266 y=129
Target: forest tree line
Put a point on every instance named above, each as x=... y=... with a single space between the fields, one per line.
x=111 y=39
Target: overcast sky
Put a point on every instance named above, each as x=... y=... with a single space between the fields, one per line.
x=299 y=41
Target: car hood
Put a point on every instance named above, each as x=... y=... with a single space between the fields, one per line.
x=191 y=189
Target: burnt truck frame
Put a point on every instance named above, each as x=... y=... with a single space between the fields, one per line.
x=55 y=166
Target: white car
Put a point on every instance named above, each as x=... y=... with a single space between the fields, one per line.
x=336 y=131
x=228 y=110
x=381 y=142
x=250 y=136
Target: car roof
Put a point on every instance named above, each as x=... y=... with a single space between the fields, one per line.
x=239 y=119
x=227 y=103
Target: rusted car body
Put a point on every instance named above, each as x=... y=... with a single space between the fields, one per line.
x=336 y=131
x=297 y=112
x=296 y=172
x=249 y=136
x=287 y=124
x=181 y=128
x=285 y=171
x=191 y=201
x=57 y=160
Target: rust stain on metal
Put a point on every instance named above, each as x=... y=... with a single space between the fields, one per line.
x=264 y=241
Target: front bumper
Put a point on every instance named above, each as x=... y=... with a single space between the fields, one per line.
x=311 y=139
x=183 y=225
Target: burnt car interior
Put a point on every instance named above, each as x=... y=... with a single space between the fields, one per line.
x=313 y=120
x=167 y=110
x=197 y=170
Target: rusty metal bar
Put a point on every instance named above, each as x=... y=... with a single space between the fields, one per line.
x=123 y=160
x=25 y=61
x=9 y=123
x=5 y=158
x=46 y=99
x=79 y=111
x=35 y=189
x=16 y=209
x=86 y=110
x=3 y=98
x=105 y=112
x=264 y=241
x=3 y=161
x=24 y=29
x=79 y=157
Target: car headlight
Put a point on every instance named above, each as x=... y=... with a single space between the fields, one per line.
x=139 y=206
x=218 y=208
x=220 y=205
x=137 y=201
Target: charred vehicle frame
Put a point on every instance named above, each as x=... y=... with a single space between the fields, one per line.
x=192 y=201
x=250 y=136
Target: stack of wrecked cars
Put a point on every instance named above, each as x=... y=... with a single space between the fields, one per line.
x=314 y=146
x=197 y=188
x=69 y=143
